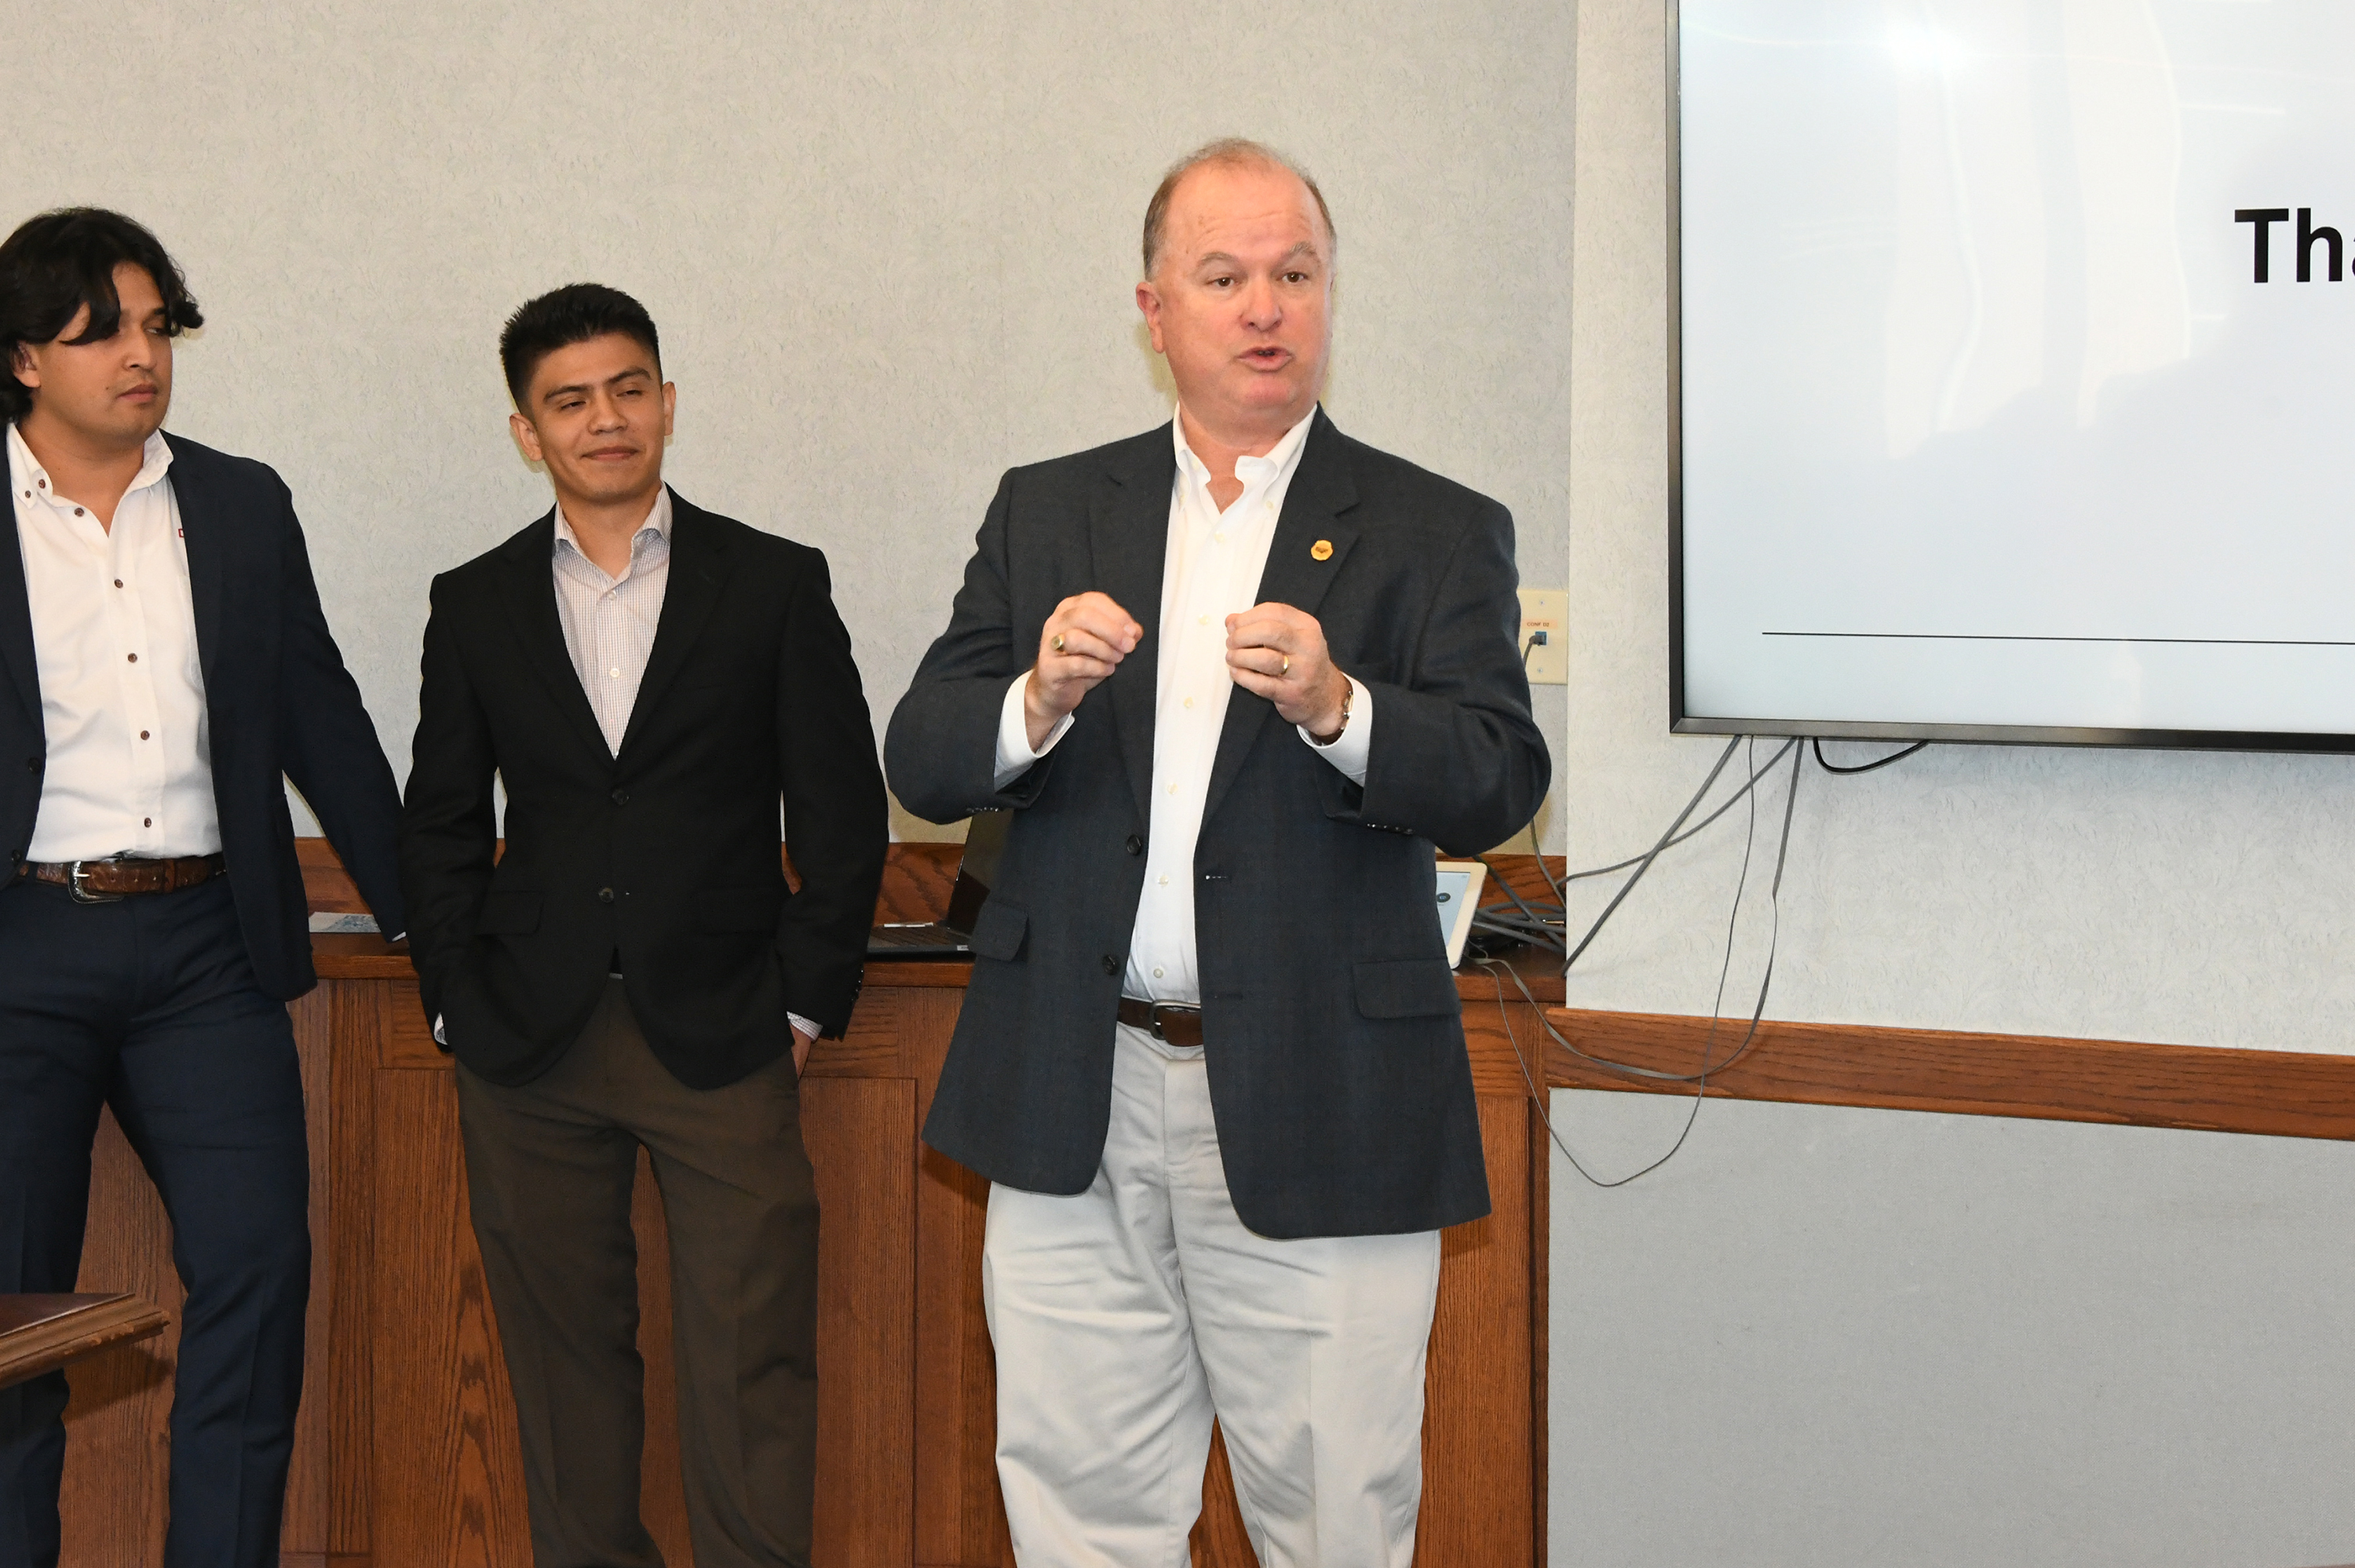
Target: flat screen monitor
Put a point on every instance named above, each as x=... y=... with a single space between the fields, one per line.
x=2012 y=386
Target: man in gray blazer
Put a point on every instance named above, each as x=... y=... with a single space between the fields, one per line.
x=1235 y=678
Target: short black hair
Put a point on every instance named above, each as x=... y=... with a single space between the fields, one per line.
x=60 y=261
x=562 y=317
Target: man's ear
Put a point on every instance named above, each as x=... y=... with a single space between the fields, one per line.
x=1148 y=300
x=21 y=366
x=527 y=440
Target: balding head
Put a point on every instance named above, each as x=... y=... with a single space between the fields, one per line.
x=1231 y=152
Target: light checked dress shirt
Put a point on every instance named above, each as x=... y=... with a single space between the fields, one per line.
x=610 y=624
x=129 y=769
x=1211 y=570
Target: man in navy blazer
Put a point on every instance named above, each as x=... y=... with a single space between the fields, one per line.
x=163 y=668
x=1234 y=678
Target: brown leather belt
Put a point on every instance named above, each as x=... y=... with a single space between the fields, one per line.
x=1172 y=1022
x=105 y=881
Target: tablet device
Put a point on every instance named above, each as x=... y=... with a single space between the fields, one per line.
x=1460 y=881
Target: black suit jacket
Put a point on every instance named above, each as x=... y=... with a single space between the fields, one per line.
x=1337 y=1066
x=279 y=704
x=667 y=854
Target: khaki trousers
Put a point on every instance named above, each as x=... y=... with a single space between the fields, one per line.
x=1128 y=1315
x=550 y=1166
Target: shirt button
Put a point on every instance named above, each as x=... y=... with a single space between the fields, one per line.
x=142 y=735
x=1221 y=538
x=1157 y=971
x=134 y=658
x=621 y=797
x=1190 y=702
x=1202 y=620
x=1165 y=879
x=42 y=482
x=149 y=821
x=118 y=582
x=77 y=511
x=614 y=672
x=1173 y=788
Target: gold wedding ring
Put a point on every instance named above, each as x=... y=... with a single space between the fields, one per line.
x=1056 y=642
x=1287 y=667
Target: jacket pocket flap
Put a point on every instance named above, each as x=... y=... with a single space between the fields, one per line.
x=1406 y=987
x=999 y=929
x=508 y=915
x=738 y=909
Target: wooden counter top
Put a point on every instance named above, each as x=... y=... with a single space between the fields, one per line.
x=916 y=882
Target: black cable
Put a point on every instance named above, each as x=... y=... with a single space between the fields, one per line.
x=1699 y=1080
x=1629 y=886
x=1731 y=802
x=1867 y=767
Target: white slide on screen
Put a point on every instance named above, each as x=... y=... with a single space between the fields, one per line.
x=2017 y=367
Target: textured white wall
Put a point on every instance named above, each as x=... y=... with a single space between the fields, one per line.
x=890 y=247
x=1828 y=1336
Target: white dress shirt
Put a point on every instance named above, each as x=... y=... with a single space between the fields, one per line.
x=1211 y=570
x=122 y=691
x=610 y=624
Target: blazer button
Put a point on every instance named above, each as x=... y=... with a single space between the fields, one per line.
x=32 y=765
x=1111 y=965
x=621 y=797
x=1135 y=845
x=604 y=895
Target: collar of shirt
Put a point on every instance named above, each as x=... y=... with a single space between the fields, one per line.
x=658 y=523
x=1254 y=472
x=33 y=480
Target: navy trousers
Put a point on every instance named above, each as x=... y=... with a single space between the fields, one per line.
x=149 y=1005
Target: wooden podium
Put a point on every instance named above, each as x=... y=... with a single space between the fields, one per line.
x=405 y=1455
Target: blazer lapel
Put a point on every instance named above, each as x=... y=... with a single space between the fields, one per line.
x=200 y=523
x=528 y=585
x=17 y=611
x=1129 y=538
x=698 y=557
x=1321 y=493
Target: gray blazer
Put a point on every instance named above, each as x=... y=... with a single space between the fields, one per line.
x=1336 y=1062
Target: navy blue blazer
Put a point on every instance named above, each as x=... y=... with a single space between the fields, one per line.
x=278 y=700
x=1336 y=1058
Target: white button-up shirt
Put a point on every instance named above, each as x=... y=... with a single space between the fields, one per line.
x=1211 y=570
x=122 y=691
x=609 y=622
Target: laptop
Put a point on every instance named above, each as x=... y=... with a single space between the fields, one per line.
x=950 y=935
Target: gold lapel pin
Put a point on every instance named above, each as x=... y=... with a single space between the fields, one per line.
x=1321 y=551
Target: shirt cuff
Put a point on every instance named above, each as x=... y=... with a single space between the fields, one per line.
x=1014 y=754
x=806 y=1026
x=1349 y=750
x=439 y=1038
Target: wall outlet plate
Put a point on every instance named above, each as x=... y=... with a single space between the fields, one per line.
x=1545 y=612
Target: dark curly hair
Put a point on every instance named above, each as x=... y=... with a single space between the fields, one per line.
x=562 y=317
x=60 y=261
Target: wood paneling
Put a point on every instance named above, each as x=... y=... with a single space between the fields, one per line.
x=2280 y=1093
x=862 y=1141
x=407 y=1455
x=446 y=1486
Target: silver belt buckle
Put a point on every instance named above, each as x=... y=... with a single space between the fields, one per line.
x=74 y=873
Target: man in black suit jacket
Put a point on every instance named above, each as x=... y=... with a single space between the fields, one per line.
x=650 y=682
x=166 y=670
x=1234 y=680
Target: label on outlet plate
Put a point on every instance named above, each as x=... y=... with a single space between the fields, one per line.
x=1545 y=614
